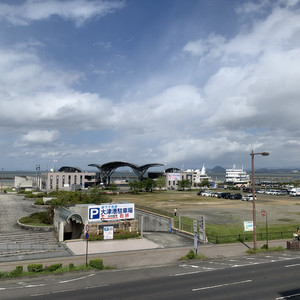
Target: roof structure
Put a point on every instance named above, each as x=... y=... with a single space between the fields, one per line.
x=66 y=214
x=172 y=170
x=69 y=169
x=106 y=170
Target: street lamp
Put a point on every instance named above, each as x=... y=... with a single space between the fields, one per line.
x=253 y=195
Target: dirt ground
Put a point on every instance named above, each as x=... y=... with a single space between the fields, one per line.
x=280 y=209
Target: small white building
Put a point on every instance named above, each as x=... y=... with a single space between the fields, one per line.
x=195 y=176
x=25 y=183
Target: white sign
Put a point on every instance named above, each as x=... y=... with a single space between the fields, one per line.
x=108 y=232
x=111 y=211
x=248 y=225
x=195 y=225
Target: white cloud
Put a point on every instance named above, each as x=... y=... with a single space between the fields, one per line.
x=40 y=136
x=78 y=11
x=250 y=101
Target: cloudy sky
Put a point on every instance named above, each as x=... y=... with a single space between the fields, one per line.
x=183 y=83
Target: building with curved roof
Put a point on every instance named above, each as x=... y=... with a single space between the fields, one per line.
x=106 y=170
x=72 y=178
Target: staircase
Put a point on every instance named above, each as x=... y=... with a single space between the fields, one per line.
x=27 y=243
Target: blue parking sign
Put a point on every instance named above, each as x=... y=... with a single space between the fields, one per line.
x=94 y=213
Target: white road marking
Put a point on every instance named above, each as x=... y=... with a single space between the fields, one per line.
x=34 y=285
x=96 y=286
x=287 y=297
x=221 y=285
x=295 y=265
x=190 y=273
x=75 y=279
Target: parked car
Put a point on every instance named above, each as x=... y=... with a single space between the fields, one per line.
x=248 y=197
x=236 y=196
x=218 y=195
x=225 y=195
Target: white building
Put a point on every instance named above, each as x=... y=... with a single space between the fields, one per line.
x=237 y=176
x=195 y=176
x=199 y=175
x=69 y=178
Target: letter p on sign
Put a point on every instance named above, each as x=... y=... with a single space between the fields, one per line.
x=94 y=213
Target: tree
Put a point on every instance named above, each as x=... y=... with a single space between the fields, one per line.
x=134 y=186
x=184 y=183
x=95 y=196
x=204 y=183
x=160 y=182
x=148 y=184
x=113 y=187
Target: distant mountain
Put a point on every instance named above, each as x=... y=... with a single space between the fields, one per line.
x=218 y=169
x=281 y=170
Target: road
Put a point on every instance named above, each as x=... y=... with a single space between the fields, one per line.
x=272 y=276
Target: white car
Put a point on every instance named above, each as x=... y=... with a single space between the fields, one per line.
x=248 y=197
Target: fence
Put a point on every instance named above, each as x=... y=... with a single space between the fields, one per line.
x=242 y=237
x=248 y=237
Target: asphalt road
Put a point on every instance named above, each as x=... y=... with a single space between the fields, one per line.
x=272 y=276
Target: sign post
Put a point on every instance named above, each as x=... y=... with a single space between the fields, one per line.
x=87 y=236
x=195 y=237
x=264 y=214
x=202 y=235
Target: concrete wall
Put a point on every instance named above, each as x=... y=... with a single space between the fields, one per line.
x=152 y=221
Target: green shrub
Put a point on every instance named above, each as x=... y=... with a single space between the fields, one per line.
x=35 y=268
x=94 y=237
x=39 y=202
x=37 y=218
x=191 y=255
x=17 y=272
x=96 y=264
x=4 y=274
x=71 y=266
x=123 y=235
x=53 y=267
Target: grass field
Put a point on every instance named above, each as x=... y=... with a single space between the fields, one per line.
x=224 y=218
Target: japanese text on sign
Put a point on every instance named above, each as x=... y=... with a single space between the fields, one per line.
x=107 y=212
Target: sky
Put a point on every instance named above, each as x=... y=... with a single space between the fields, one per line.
x=176 y=82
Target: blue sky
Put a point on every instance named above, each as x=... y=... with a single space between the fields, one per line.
x=183 y=83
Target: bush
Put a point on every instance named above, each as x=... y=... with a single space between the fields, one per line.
x=71 y=266
x=17 y=272
x=94 y=237
x=53 y=267
x=39 y=202
x=96 y=264
x=35 y=268
x=191 y=255
x=37 y=218
x=4 y=274
x=123 y=235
